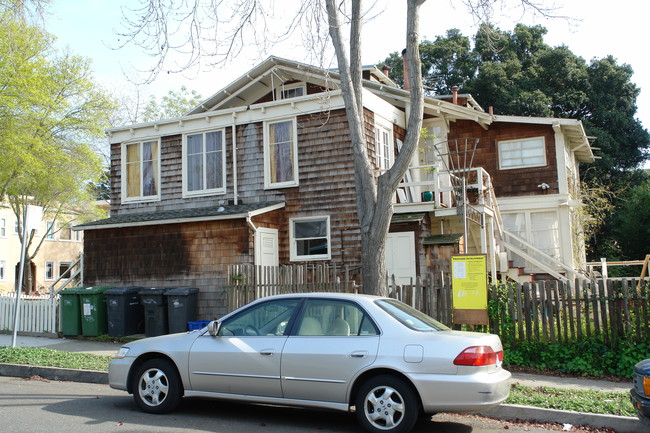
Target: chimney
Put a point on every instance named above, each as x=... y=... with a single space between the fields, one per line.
x=454 y=95
x=407 y=85
x=386 y=70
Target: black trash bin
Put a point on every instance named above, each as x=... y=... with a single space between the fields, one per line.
x=155 y=311
x=181 y=306
x=125 y=313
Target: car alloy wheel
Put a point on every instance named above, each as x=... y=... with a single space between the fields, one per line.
x=158 y=387
x=387 y=404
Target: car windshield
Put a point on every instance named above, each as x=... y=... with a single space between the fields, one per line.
x=410 y=317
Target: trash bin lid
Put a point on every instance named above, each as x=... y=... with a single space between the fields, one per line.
x=153 y=290
x=128 y=290
x=72 y=291
x=93 y=290
x=182 y=291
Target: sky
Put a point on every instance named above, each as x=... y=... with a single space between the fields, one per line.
x=597 y=29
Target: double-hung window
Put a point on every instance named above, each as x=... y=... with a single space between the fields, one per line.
x=141 y=171
x=3 y=270
x=280 y=154
x=527 y=152
x=3 y=227
x=49 y=229
x=49 y=271
x=204 y=163
x=310 y=238
x=384 y=144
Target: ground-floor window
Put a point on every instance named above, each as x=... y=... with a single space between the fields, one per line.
x=539 y=228
x=310 y=238
x=49 y=270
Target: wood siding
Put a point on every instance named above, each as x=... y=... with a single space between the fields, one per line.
x=512 y=182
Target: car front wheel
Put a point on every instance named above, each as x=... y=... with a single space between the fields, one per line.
x=386 y=404
x=158 y=387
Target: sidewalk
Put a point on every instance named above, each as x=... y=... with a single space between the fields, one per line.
x=619 y=423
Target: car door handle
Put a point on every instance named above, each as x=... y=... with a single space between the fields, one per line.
x=359 y=354
x=267 y=352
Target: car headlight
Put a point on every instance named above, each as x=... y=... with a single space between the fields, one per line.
x=122 y=352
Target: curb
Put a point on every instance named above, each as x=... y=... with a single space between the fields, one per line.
x=622 y=424
x=53 y=373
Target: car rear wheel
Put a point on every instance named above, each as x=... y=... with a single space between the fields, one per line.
x=158 y=387
x=386 y=404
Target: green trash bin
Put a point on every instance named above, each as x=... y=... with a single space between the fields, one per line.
x=94 y=319
x=71 y=311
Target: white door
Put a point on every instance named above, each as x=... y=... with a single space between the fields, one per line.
x=400 y=256
x=266 y=247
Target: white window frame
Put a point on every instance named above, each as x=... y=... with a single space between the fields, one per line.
x=157 y=174
x=65 y=229
x=52 y=271
x=204 y=191
x=282 y=90
x=522 y=158
x=68 y=264
x=49 y=230
x=268 y=183
x=293 y=241
x=3 y=227
x=384 y=143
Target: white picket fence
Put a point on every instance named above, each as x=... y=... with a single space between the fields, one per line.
x=38 y=314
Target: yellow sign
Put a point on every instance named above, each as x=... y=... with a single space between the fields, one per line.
x=469 y=287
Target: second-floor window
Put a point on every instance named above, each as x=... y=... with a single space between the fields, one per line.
x=50 y=230
x=527 y=152
x=65 y=234
x=204 y=163
x=384 y=144
x=3 y=227
x=280 y=154
x=3 y=269
x=141 y=171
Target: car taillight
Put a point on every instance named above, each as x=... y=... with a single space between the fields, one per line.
x=646 y=386
x=479 y=355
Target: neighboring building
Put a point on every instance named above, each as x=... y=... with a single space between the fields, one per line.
x=262 y=173
x=59 y=250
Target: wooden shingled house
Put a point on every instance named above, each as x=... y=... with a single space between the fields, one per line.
x=262 y=173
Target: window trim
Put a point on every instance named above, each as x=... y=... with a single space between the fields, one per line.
x=204 y=191
x=124 y=174
x=523 y=164
x=294 y=257
x=267 y=155
x=286 y=87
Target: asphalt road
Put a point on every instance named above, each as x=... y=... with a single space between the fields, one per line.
x=37 y=405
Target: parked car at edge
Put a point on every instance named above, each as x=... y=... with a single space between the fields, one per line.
x=377 y=356
x=640 y=393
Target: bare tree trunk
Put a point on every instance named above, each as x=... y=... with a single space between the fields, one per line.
x=374 y=195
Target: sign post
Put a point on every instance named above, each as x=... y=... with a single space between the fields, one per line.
x=31 y=221
x=469 y=287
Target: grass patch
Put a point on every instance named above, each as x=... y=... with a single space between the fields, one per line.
x=42 y=357
x=606 y=403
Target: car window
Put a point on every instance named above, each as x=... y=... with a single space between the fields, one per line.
x=409 y=316
x=268 y=318
x=323 y=317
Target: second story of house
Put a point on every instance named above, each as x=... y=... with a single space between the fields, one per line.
x=279 y=134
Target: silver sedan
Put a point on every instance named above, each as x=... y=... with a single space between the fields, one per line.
x=377 y=356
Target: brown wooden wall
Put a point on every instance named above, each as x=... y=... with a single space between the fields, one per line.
x=512 y=182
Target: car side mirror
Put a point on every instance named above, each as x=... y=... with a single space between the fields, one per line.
x=214 y=327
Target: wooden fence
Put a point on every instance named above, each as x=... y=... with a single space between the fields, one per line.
x=553 y=312
x=38 y=314
x=544 y=311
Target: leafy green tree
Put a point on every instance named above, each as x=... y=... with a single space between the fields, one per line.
x=633 y=223
x=50 y=112
x=174 y=104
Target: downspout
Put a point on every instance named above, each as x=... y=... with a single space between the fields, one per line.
x=252 y=227
x=234 y=160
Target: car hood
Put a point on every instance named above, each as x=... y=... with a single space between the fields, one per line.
x=167 y=344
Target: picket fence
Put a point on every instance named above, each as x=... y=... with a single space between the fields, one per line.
x=37 y=314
